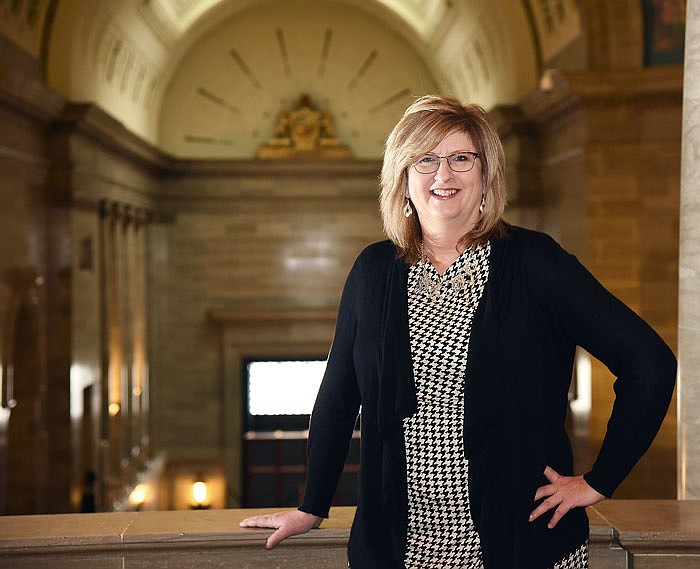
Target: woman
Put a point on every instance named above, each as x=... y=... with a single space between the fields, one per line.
x=457 y=338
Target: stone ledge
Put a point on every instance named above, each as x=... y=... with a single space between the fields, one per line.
x=212 y=538
x=22 y=534
x=655 y=524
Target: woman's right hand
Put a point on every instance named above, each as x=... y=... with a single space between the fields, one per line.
x=288 y=523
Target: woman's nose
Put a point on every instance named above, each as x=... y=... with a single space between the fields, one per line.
x=444 y=172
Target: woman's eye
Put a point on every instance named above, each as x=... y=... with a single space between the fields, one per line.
x=461 y=157
x=427 y=160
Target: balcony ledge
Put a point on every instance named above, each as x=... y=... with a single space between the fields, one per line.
x=622 y=532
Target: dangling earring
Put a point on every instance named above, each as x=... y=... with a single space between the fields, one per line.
x=407 y=210
x=483 y=203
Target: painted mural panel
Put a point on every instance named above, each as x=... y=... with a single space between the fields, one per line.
x=664 y=31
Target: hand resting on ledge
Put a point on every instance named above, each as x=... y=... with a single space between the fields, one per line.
x=292 y=522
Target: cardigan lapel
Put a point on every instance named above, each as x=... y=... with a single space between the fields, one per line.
x=483 y=382
x=397 y=392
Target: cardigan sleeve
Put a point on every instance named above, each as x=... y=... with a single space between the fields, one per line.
x=336 y=408
x=644 y=366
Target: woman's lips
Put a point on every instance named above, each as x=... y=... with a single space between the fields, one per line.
x=443 y=192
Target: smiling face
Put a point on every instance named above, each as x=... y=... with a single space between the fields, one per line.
x=447 y=201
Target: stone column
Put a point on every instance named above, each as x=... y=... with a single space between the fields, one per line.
x=689 y=264
x=112 y=365
x=126 y=298
x=140 y=430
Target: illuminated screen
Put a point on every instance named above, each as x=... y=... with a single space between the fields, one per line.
x=282 y=388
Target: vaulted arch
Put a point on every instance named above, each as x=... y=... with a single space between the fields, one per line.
x=132 y=58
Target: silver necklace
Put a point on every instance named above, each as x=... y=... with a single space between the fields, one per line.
x=434 y=288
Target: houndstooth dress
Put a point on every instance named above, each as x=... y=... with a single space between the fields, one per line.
x=441 y=533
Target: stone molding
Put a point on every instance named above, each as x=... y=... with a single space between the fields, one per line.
x=96 y=125
x=347 y=167
x=567 y=91
x=28 y=96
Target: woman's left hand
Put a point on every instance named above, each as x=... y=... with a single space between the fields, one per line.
x=563 y=493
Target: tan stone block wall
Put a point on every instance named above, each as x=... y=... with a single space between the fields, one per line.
x=633 y=215
x=23 y=243
x=609 y=148
x=23 y=171
x=287 y=243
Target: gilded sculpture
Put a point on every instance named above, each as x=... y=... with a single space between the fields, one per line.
x=304 y=131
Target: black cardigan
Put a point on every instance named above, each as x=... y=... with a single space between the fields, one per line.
x=538 y=305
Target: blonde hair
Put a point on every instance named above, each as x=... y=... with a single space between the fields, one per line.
x=424 y=124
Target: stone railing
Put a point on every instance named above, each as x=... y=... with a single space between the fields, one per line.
x=624 y=533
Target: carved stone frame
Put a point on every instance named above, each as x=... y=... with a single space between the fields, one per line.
x=260 y=333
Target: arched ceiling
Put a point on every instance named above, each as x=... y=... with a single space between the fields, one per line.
x=148 y=62
x=263 y=58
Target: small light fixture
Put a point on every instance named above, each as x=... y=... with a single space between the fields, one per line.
x=138 y=497
x=547 y=81
x=200 y=493
x=114 y=409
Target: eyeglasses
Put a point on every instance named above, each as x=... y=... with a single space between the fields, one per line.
x=458 y=162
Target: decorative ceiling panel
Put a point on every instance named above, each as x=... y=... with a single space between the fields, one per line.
x=144 y=61
x=229 y=89
x=23 y=23
x=557 y=22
